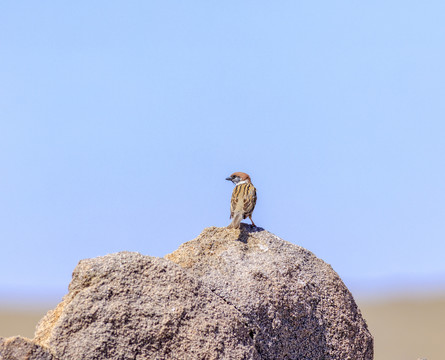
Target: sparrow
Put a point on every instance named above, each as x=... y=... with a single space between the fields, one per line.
x=243 y=199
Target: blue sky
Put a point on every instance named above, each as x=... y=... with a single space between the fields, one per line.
x=119 y=122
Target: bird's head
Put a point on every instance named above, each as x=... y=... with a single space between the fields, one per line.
x=239 y=177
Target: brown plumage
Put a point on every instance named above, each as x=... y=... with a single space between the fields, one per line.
x=243 y=199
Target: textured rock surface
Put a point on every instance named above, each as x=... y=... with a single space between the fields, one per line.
x=130 y=306
x=19 y=348
x=297 y=306
x=228 y=294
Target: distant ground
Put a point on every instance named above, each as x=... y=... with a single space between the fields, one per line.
x=406 y=329
x=15 y=321
x=403 y=329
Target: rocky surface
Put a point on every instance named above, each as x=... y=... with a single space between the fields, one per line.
x=228 y=294
x=297 y=306
x=130 y=306
x=18 y=348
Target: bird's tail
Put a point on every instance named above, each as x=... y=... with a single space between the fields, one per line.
x=235 y=224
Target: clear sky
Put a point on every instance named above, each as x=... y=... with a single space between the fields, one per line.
x=120 y=120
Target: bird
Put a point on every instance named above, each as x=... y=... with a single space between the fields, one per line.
x=243 y=199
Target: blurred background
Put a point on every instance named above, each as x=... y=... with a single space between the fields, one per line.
x=120 y=121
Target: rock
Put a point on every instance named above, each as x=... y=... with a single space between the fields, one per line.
x=228 y=294
x=19 y=348
x=295 y=305
x=130 y=306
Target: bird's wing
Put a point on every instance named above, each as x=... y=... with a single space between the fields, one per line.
x=249 y=199
x=234 y=201
x=243 y=199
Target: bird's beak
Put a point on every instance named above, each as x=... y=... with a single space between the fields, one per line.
x=229 y=178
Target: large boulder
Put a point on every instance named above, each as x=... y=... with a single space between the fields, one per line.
x=130 y=306
x=295 y=304
x=228 y=294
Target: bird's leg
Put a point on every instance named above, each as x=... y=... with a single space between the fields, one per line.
x=250 y=217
